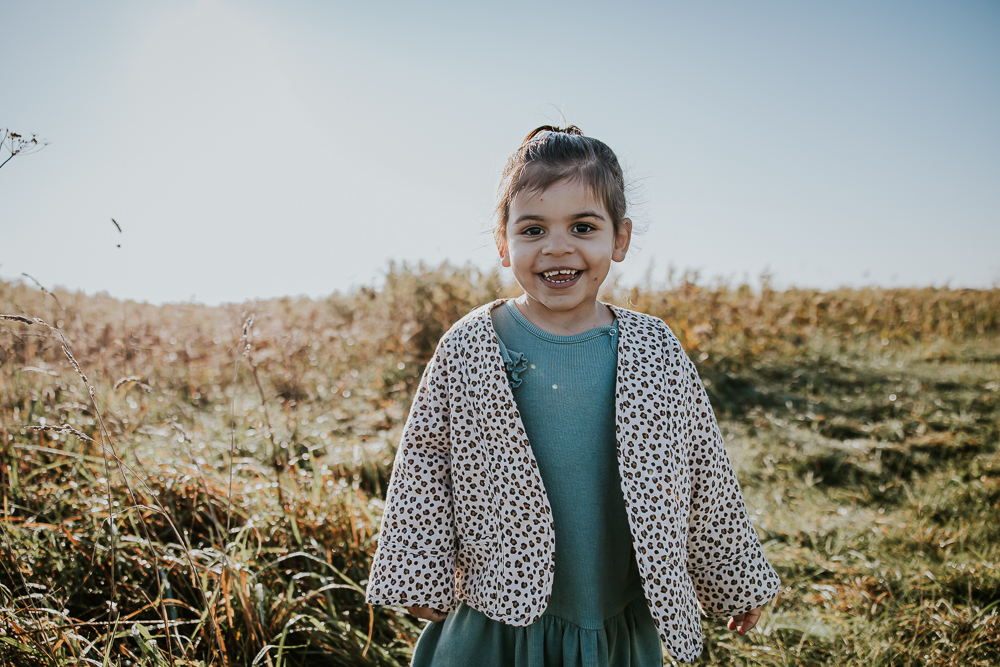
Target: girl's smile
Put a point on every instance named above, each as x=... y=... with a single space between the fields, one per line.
x=558 y=278
x=560 y=243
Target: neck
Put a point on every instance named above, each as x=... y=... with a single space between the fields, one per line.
x=584 y=317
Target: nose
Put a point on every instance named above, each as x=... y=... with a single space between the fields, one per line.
x=558 y=243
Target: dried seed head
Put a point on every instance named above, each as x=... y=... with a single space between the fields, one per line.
x=76 y=364
x=135 y=380
x=62 y=339
x=62 y=428
x=130 y=378
x=247 y=324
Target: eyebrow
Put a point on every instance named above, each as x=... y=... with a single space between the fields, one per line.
x=527 y=217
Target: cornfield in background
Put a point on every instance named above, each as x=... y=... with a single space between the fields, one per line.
x=192 y=485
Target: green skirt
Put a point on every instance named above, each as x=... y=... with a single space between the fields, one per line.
x=468 y=638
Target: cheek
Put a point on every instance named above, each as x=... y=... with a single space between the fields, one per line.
x=519 y=255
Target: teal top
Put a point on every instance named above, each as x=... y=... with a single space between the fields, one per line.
x=564 y=387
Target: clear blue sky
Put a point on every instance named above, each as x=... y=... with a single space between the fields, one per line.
x=253 y=149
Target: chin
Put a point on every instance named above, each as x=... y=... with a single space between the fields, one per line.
x=562 y=304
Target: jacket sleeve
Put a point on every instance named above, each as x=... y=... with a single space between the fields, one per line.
x=725 y=559
x=415 y=560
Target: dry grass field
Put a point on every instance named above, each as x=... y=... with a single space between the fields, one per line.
x=191 y=485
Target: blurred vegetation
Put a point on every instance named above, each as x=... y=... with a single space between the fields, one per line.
x=214 y=499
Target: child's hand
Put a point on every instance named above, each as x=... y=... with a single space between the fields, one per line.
x=431 y=614
x=743 y=623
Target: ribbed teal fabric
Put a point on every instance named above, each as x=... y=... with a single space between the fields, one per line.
x=564 y=387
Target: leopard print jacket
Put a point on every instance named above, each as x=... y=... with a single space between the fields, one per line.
x=467 y=518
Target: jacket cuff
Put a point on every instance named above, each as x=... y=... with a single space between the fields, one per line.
x=725 y=589
x=412 y=578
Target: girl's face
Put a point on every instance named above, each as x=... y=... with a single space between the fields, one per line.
x=560 y=245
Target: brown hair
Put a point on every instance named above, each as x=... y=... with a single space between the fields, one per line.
x=551 y=154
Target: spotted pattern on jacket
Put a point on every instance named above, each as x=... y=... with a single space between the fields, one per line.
x=467 y=518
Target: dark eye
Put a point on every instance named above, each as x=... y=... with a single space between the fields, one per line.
x=533 y=231
x=582 y=228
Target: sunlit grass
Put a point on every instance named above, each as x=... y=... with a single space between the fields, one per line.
x=863 y=425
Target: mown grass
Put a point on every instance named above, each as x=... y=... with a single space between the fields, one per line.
x=863 y=424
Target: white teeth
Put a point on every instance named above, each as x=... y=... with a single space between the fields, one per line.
x=561 y=275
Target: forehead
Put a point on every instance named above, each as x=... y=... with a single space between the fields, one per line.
x=569 y=196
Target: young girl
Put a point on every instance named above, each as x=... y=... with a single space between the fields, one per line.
x=561 y=494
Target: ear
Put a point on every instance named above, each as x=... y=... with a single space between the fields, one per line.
x=622 y=240
x=504 y=253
